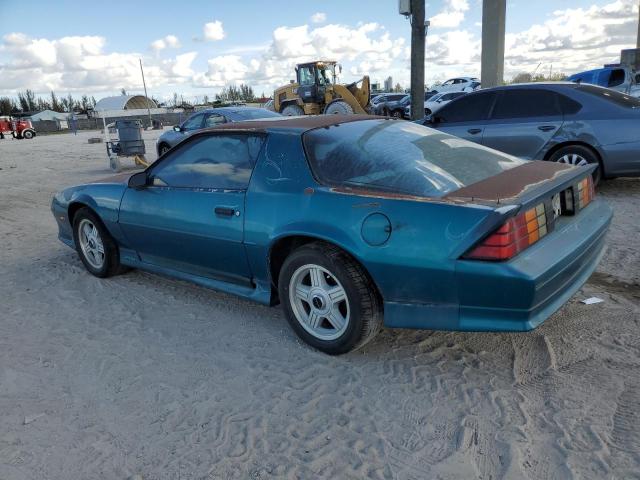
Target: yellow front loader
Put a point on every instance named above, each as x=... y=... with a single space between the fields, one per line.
x=317 y=92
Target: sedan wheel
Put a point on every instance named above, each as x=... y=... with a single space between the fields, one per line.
x=95 y=246
x=573 y=159
x=91 y=243
x=319 y=302
x=579 y=156
x=329 y=299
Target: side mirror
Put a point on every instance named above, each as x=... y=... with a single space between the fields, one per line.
x=177 y=128
x=138 y=180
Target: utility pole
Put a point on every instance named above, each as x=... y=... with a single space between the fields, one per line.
x=145 y=94
x=638 y=37
x=494 y=14
x=418 y=37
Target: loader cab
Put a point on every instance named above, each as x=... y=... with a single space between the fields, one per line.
x=313 y=80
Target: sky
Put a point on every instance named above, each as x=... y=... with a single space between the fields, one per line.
x=195 y=48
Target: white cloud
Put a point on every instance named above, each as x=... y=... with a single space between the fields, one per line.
x=222 y=70
x=571 y=39
x=452 y=15
x=213 y=31
x=318 y=17
x=574 y=39
x=79 y=64
x=170 y=41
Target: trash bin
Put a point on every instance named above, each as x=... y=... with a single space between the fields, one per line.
x=130 y=137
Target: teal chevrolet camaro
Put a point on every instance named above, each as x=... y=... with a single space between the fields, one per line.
x=351 y=223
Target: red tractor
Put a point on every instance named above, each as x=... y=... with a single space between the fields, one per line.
x=18 y=127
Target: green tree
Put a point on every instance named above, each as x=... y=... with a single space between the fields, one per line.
x=55 y=103
x=7 y=106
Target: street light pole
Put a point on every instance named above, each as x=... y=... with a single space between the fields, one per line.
x=418 y=36
x=146 y=98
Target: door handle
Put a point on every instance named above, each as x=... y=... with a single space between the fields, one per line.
x=473 y=131
x=546 y=128
x=226 y=211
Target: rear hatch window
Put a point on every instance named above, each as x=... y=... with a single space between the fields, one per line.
x=399 y=157
x=620 y=99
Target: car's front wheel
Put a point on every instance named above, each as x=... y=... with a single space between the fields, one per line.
x=328 y=299
x=578 y=155
x=98 y=251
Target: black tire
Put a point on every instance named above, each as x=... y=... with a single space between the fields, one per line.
x=111 y=264
x=28 y=134
x=570 y=152
x=163 y=148
x=396 y=114
x=364 y=303
x=427 y=111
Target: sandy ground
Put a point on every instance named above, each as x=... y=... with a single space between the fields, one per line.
x=143 y=375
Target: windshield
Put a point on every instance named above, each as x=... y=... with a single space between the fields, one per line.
x=399 y=157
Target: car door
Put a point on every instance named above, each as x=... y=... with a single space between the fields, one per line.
x=190 y=217
x=465 y=117
x=523 y=121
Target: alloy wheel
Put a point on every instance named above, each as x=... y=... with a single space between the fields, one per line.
x=91 y=243
x=573 y=159
x=319 y=302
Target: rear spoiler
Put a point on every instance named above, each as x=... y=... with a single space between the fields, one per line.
x=518 y=185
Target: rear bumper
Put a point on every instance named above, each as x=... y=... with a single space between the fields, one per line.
x=520 y=294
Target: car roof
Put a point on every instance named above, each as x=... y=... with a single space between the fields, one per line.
x=543 y=85
x=298 y=124
x=231 y=108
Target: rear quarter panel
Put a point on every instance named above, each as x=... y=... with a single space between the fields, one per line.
x=416 y=263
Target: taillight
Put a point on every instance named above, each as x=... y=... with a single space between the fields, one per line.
x=516 y=234
x=586 y=191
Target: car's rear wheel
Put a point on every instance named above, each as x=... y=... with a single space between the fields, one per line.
x=578 y=155
x=28 y=134
x=328 y=299
x=292 y=111
x=98 y=251
x=397 y=114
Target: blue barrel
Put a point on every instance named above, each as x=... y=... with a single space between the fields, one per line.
x=130 y=137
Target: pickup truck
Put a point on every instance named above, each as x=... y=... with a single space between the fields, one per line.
x=620 y=78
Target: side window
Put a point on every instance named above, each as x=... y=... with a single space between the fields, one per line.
x=472 y=107
x=213 y=161
x=306 y=76
x=568 y=105
x=213 y=119
x=521 y=103
x=194 y=122
x=616 y=78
